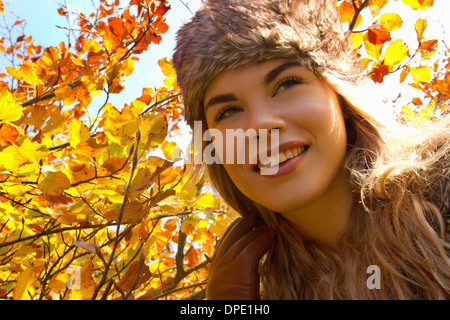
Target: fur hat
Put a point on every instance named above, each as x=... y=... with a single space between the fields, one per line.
x=227 y=34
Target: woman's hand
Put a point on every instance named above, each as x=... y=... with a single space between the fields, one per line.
x=233 y=274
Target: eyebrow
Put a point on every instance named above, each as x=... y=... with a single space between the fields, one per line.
x=276 y=71
x=229 y=97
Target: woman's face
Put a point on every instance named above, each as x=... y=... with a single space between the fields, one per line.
x=280 y=94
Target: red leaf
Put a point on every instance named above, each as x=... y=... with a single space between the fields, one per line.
x=379 y=72
x=378 y=34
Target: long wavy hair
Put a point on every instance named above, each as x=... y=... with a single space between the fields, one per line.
x=400 y=179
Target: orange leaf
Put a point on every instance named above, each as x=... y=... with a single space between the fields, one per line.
x=132 y=275
x=116 y=26
x=347 y=12
x=133 y=213
x=404 y=73
x=8 y=134
x=417 y=101
x=379 y=72
x=378 y=34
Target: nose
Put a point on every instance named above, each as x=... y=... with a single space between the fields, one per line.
x=264 y=116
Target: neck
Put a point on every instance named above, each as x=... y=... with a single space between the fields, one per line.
x=325 y=220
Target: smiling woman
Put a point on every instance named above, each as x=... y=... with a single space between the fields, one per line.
x=348 y=196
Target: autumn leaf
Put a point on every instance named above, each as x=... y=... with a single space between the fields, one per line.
x=133 y=213
x=395 y=53
x=379 y=72
x=420 y=26
x=420 y=74
x=347 y=12
x=418 y=4
x=86 y=282
x=10 y=110
x=375 y=6
x=78 y=132
x=137 y=272
x=8 y=134
x=166 y=67
x=391 y=21
x=378 y=34
x=89 y=247
x=24 y=288
x=53 y=183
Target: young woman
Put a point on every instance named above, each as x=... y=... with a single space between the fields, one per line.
x=353 y=210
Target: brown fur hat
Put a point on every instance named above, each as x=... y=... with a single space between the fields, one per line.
x=227 y=34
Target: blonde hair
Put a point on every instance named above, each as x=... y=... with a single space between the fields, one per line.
x=400 y=181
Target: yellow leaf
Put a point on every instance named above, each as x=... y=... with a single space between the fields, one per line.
x=207 y=200
x=170 y=150
x=53 y=183
x=420 y=74
x=26 y=73
x=153 y=129
x=84 y=287
x=418 y=4
x=10 y=110
x=127 y=67
x=391 y=21
x=166 y=67
x=50 y=58
x=395 y=53
x=10 y=158
x=420 y=26
x=121 y=127
x=63 y=93
x=90 y=45
x=33 y=151
x=25 y=285
x=357 y=39
x=78 y=132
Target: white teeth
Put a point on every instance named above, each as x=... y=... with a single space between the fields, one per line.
x=281 y=157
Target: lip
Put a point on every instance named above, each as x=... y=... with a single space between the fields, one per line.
x=287 y=166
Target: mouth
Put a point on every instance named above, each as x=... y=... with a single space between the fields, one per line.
x=280 y=159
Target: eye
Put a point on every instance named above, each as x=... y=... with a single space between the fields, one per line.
x=226 y=112
x=287 y=83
